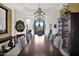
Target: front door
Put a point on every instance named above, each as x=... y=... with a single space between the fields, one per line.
x=39 y=26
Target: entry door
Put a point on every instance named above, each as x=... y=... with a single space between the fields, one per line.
x=39 y=27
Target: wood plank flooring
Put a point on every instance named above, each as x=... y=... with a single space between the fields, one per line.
x=40 y=46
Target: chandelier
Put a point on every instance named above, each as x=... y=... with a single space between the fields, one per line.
x=39 y=13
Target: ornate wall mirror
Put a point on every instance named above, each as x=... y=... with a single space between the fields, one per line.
x=3 y=20
x=20 y=26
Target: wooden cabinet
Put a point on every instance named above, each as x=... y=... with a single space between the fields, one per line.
x=74 y=7
x=70 y=30
x=65 y=30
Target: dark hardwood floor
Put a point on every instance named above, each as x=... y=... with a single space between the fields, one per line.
x=40 y=46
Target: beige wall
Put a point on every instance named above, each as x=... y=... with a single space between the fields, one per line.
x=19 y=15
x=9 y=23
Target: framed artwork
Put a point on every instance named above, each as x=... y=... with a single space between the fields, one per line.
x=3 y=20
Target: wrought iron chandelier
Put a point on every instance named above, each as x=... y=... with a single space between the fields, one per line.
x=39 y=13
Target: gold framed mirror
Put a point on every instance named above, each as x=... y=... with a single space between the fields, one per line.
x=3 y=20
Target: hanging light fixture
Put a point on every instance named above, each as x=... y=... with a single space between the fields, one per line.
x=39 y=12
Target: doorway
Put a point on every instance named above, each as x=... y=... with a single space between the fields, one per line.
x=39 y=27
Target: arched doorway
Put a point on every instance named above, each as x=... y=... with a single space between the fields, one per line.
x=39 y=27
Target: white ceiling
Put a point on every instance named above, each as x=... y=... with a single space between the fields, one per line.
x=29 y=8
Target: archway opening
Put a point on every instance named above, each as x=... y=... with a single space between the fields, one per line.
x=39 y=27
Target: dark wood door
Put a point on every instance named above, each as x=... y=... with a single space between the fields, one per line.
x=75 y=34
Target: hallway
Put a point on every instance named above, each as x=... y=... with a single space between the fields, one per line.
x=40 y=46
x=39 y=29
